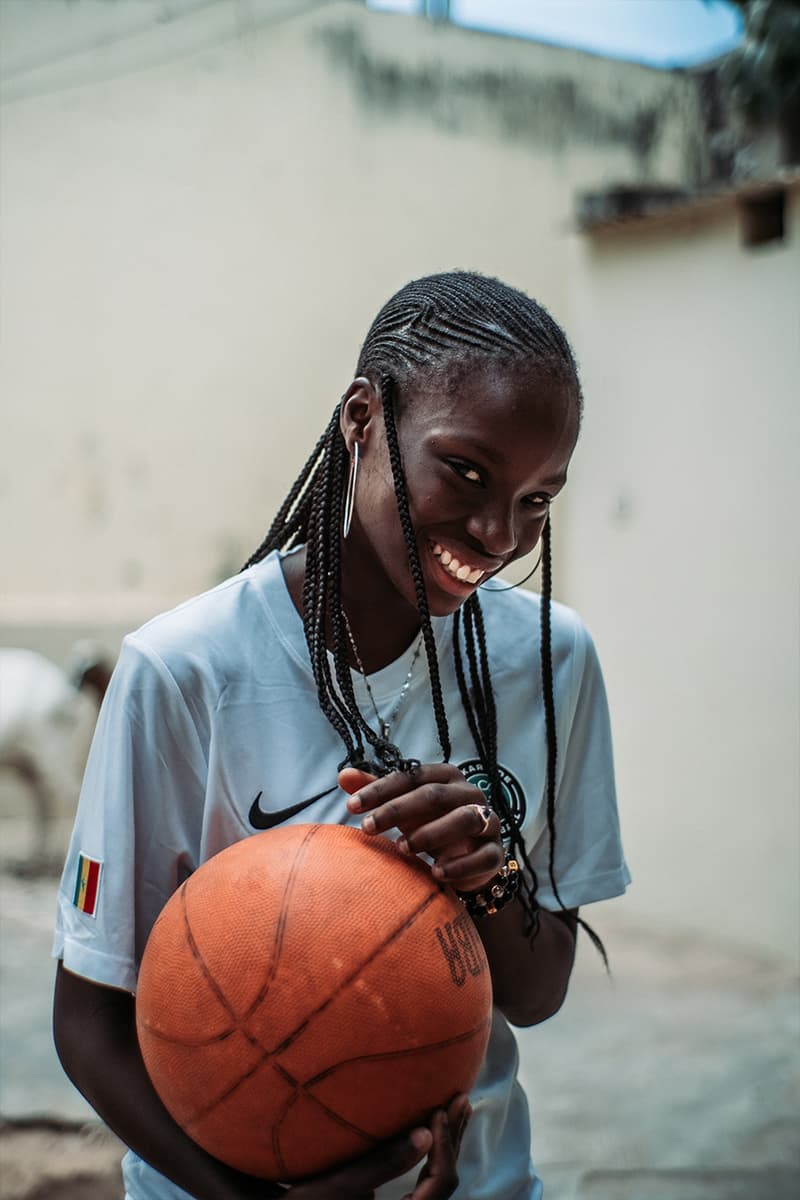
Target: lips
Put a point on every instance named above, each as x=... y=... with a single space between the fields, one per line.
x=464 y=572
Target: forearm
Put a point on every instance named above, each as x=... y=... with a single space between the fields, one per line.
x=95 y=1036
x=529 y=975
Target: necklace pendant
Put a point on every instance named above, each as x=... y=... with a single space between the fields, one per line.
x=384 y=729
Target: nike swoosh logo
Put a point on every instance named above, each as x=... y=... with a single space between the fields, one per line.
x=268 y=820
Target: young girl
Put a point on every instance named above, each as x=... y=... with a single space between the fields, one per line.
x=366 y=668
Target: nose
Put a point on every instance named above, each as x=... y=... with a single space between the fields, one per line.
x=493 y=526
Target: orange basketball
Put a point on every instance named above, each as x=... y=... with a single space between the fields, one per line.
x=307 y=993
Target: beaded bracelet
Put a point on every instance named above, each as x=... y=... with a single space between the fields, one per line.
x=497 y=893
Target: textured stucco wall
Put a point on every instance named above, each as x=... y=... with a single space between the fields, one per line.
x=202 y=207
x=682 y=554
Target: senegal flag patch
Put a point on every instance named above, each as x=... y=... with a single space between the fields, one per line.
x=87 y=884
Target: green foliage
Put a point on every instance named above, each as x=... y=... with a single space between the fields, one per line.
x=764 y=73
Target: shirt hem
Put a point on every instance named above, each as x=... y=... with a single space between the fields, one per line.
x=93 y=965
x=586 y=891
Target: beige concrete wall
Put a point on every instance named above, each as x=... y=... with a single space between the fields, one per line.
x=202 y=207
x=683 y=555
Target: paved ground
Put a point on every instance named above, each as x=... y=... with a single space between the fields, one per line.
x=679 y=1079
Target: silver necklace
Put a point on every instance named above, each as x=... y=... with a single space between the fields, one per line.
x=383 y=725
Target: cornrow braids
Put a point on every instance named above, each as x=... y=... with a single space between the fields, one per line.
x=445 y=322
x=458 y=317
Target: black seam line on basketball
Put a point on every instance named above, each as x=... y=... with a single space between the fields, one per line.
x=212 y=1104
x=238 y=1022
x=345 y=983
x=280 y=930
x=266 y=1054
x=261 y=820
x=193 y=1043
x=276 y=1134
x=299 y=1090
x=209 y=978
x=292 y=1037
x=409 y=1052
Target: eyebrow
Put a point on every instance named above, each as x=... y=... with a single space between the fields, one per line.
x=497 y=460
x=481 y=449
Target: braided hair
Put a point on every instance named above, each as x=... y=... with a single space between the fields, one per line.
x=450 y=321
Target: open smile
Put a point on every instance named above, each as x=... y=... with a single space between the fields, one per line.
x=466 y=573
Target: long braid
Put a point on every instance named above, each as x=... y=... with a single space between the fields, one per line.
x=546 y=663
x=387 y=392
x=466 y=696
x=315 y=590
x=546 y=656
x=277 y=534
x=311 y=513
x=387 y=755
x=478 y=703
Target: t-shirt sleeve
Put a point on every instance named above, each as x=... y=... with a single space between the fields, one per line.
x=589 y=863
x=139 y=824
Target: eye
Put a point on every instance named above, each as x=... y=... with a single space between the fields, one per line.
x=539 y=504
x=465 y=470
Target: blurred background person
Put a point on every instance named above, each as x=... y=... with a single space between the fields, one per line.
x=47 y=719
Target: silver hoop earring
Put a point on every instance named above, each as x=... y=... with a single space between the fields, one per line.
x=350 y=494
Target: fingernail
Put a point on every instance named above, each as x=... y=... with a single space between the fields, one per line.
x=437 y=872
x=420 y=1139
x=402 y=845
x=368 y=824
x=354 y=804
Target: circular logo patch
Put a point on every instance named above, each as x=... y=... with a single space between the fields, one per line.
x=475 y=773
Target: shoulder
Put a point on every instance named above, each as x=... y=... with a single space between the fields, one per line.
x=514 y=625
x=209 y=638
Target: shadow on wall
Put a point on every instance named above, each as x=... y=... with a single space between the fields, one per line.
x=510 y=104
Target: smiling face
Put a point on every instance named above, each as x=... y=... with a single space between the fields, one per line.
x=484 y=453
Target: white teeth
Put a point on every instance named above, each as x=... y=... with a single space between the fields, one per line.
x=460 y=571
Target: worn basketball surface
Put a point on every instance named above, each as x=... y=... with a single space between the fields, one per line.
x=307 y=993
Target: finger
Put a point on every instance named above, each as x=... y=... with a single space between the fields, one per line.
x=379 y=791
x=425 y=806
x=471 y=824
x=467 y=872
x=384 y=1163
x=419 y=806
x=351 y=779
x=439 y=1178
x=459 y=1112
x=457 y=1108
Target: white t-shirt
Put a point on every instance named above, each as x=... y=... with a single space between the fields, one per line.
x=211 y=729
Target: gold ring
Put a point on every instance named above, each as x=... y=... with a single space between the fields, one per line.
x=485 y=813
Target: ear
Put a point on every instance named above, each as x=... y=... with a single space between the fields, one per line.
x=359 y=408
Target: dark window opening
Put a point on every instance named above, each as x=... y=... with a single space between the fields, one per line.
x=763 y=218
